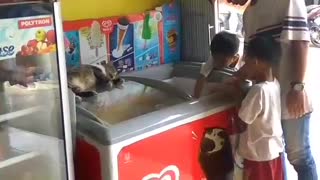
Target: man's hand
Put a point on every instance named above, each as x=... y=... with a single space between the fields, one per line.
x=242 y=2
x=22 y=76
x=297 y=103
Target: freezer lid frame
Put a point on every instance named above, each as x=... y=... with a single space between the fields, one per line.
x=62 y=69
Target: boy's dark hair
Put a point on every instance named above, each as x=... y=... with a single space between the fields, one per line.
x=265 y=49
x=225 y=43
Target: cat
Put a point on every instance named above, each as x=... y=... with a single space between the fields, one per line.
x=89 y=80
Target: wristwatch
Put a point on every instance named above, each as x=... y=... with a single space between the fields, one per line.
x=297 y=86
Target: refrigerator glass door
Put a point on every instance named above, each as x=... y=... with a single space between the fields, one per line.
x=32 y=136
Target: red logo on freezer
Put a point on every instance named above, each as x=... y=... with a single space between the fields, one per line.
x=169 y=173
x=33 y=23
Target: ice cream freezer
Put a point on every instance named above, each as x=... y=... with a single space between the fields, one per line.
x=148 y=130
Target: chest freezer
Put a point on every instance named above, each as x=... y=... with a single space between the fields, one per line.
x=100 y=115
x=149 y=124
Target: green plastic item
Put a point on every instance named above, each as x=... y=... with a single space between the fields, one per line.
x=146 y=31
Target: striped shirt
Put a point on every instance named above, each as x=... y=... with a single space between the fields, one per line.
x=285 y=20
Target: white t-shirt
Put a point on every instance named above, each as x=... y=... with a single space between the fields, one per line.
x=285 y=20
x=261 y=111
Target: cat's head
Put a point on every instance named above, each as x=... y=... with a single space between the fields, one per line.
x=111 y=71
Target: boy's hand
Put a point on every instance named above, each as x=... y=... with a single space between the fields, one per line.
x=225 y=88
x=22 y=76
x=201 y=82
x=242 y=2
x=196 y=95
x=216 y=87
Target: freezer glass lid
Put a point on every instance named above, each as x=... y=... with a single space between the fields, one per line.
x=133 y=100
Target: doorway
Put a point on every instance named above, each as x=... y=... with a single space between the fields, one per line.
x=230 y=19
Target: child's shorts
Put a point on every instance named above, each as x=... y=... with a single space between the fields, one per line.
x=265 y=170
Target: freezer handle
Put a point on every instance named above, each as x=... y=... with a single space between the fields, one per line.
x=161 y=86
x=210 y=27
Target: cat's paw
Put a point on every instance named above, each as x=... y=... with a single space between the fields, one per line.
x=78 y=99
x=118 y=83
x=110 y=86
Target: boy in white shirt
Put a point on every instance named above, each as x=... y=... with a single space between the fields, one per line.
x=224 y=49
x=261 y=144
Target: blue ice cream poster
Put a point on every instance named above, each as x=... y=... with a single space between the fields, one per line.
x=72 y=48
x=147 y=47
x=121 y=46
x=172 y=32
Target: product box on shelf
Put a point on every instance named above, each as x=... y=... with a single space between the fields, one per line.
x=72 y=48
x=85 y=43
x=147 y=39
x=134 y=41
x=120 y=42
x=171 y=27
x=29 y=41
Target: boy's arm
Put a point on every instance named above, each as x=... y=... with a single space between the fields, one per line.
x=241 y=126
x=201 y=82
x=231 y=87
x=205 y=71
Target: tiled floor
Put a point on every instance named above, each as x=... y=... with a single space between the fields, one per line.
x=313 y=79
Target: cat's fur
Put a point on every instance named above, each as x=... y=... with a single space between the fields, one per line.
x=88 y=80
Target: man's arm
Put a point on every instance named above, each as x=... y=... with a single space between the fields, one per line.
x=5 y=75
x=299 y=58
x=22 y=76
x=296 y=33
x=296 y=100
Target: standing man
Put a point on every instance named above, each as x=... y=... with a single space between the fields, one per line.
x=286 y=20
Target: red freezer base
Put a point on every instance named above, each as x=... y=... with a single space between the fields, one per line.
x=170 y=155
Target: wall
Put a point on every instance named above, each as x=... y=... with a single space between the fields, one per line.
x=87 y=9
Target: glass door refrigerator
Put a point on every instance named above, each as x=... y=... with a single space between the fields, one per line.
x=35 y=127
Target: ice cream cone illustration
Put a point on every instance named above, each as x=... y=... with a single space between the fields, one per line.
x=146 y=31
x=95 y=37
x=122 y=28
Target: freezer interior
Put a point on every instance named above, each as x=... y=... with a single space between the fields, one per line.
x=133 y=100
x=183 y=76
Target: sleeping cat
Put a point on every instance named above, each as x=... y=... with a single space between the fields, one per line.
x=88 y=80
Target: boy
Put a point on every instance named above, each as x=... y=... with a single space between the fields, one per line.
x=261 y=144
x=224 y=48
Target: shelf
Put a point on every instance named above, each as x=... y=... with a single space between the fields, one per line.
x=17 y=114
x=16 y=158
x=8 y=2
